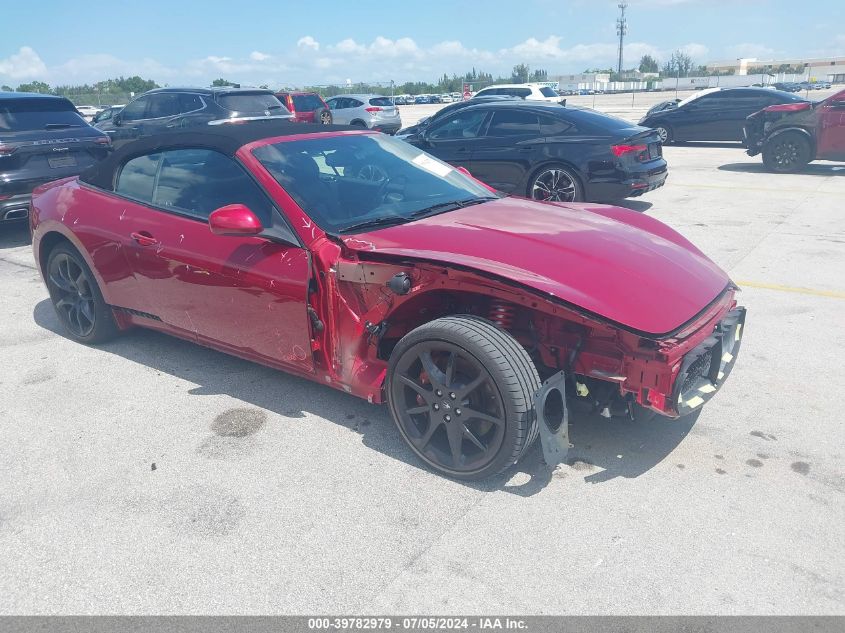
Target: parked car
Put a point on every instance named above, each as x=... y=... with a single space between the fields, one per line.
x=107 y=114
x=663 y=105
x=788 y=86
x=414 y=130
x=306 y=107
x=715 y=114
x=389 y=275
x=434 y=98
x=546 y=151
x=532 y=92
x=167 y=108
x=42 y=138
x=446 y=98
x=88 y=112
x=375 y=112
x=400 y=100
x=422 y=99
x=791 y=135
x=456 y=96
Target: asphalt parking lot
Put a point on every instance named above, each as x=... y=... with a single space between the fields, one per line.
x=151 y=475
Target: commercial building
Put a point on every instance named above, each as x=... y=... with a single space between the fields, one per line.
x=814 y=69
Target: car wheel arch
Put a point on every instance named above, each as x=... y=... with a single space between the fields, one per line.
x=800 y=130
x=53 y=238
x=358 y=122
x=555 y=162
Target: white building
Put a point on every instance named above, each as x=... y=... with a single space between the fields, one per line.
x=815 y=69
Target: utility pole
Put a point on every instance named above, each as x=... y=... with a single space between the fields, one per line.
x=621 y=31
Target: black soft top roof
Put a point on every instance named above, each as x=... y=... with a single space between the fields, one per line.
x=227 y=139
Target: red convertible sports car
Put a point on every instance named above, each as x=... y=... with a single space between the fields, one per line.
x=361 y=262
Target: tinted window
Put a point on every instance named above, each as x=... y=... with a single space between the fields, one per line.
x=548 y=92
x=306 y=103
x=353 y=103
x=340 y=180
x=338 y=104
x=590 y=120
x=516 y=92
x=198 y=181
x=459 y=125
x=135 y=110
x=382 y=102
x=164 y=104
x=513 y=122
x=137 y=178
x=488 y=92
x=251 y=102
x=190 y=103
x=554 y=126
x=38 y=114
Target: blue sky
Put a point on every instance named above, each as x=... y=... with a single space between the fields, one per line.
x=293 y=43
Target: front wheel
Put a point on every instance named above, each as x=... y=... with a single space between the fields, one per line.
x=76 y=297
x=787 y=152
x=556 y=184
x=460 y=391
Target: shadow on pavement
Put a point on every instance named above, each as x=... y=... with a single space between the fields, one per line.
x=634 y=204
x=813 y=169
x=714 y=144
x=597 y=441
x=14 y=234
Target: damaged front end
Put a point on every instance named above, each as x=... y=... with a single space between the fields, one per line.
x=761 y=125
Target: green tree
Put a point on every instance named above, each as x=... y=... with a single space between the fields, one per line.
x=679 y=65
x=35 y=86
x=6 y=88
x=539 y=75
x=222 y=82
x=520 y=73
x=648 y=64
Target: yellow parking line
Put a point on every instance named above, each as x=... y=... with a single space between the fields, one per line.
x=744 y=188
x=804 y=291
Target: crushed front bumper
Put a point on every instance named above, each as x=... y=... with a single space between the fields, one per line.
x=706 y=368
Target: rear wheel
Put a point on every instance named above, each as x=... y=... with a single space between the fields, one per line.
x=323 y=116
x=787 y=152
x=556 y=184
x=460 y=390
x=664 y=133
x=76 y=297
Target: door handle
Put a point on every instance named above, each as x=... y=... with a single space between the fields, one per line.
x=144 y=239
x=525 y=150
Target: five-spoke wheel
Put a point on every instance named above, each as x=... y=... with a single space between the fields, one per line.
x=460 y=391
x=77 y=298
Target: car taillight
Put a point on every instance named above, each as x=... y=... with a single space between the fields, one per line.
x=621 y=150
x=373 y=109
x=290 y=104
x=6 y=150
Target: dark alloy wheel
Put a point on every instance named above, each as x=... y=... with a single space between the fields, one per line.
x=555 y=184
x=77 y=298
x=787 y=152
x=324 y=117
x=664 y=134
x=460 y=391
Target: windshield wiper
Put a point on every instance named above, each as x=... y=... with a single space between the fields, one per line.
x=376 y=223
x=443 y=207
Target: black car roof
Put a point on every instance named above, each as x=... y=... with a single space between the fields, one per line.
x=215 y=90
x=226 y=139
x=29 y=95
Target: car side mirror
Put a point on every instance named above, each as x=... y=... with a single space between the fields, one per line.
x=235 y=220
x=117 y=120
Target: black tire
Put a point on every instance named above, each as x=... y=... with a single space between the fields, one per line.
x=787 y=152
x=483 y=405
x=665 y=134
x=76 y=297
x=323 y=116
x=556 y=183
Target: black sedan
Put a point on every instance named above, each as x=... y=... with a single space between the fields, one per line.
x=419 y=126
x=547 y=151
x=714 y=114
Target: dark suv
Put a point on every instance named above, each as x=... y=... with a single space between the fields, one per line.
x=166 y=108
x=42 y=138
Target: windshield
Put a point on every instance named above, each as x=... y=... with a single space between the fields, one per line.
x=548 y=92
x=697 y=95
x=347 y=181
x=17 y=115
x=252 y=103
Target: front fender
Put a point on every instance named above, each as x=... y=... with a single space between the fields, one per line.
x=792 y=128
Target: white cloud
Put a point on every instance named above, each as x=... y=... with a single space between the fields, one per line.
x=308 y=43
x=25 y=65
x=258 y=56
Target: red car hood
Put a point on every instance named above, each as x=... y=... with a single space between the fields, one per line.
x=616 y=263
